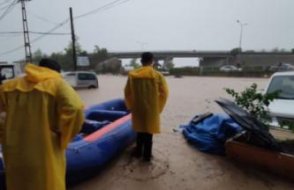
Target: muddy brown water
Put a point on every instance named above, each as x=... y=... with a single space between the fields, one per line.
x=176 y=164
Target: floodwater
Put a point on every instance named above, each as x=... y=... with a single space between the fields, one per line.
x=176 y=164
x=188 y=95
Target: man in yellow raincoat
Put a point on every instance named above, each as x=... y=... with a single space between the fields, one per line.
x=43 y=113
x=146 y=93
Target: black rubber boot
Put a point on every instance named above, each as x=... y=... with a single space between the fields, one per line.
x=147 y=154
x=138 y=151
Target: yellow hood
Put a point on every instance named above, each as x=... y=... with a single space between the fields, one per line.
x=33 y=79
x=143 y=72
x=37 y=74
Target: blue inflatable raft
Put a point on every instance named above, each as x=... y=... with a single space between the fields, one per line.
x=110 y=131
x=106 y=132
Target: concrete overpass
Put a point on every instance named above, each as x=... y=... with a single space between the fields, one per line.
x=191 y=54
x=179 y=54
x=217 y=58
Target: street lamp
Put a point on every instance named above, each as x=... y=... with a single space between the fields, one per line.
x=241 y=33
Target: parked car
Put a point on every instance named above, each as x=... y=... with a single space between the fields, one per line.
x=282 y=67
x=282 y=108
x=229 y=68
x=165 y=72
x=81 y=79
x=9 y=71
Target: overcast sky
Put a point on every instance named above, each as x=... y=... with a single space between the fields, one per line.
x=131 y=25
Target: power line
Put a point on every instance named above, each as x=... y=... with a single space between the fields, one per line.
x=12 y=50
x=8 y=9
x=50 y=31
x=41 y=18
x=104 y=7
x=11 y=32
x=120 y=3
x=34 y=32
x=117 y=4
x=35 y=39
x=10 y=36
x=4 y=3
x=4 y=7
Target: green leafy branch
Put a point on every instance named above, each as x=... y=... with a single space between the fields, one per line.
x=254 y=102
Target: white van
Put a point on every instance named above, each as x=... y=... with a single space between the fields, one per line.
x=282 y=108
x=81 y=79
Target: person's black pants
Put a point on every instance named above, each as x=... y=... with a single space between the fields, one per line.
x=144 y=145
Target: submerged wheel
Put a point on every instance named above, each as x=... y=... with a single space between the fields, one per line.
x=92 y=87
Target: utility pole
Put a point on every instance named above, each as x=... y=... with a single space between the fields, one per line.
x=74 y=54
x=27 y=44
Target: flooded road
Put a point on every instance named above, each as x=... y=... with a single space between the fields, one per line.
x=188 y=95
x=176 y=164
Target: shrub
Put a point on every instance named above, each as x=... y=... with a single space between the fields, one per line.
x=254 y=102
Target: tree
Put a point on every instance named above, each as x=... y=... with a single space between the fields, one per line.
x=276 y=49
x=168 y=64
x=134 y=63
x=99 y=55
x=69 y=49
x=65 y=59
x=102 y=52
x=236 y=51
x=37 y=56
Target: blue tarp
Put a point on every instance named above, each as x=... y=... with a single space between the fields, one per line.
x=211 y=134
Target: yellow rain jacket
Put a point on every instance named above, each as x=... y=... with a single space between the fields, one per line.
x=43 y=113
x=145 y=95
